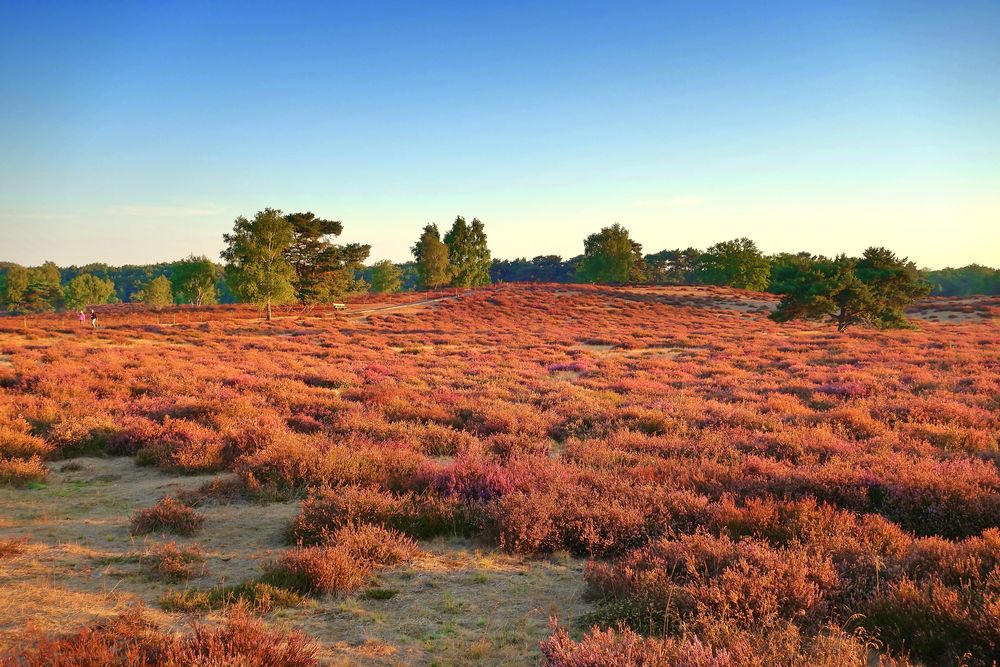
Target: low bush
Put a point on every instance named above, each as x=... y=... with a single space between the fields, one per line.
x=21 y=472
x=132 y=640
x=170 y=563
x=169 y=515
x=417 y=515
x=317 y=571
x=373 y=545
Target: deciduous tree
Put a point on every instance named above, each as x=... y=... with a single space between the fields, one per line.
x=386 y=277
x=88 y=290
x=611 y=256
x=15 y=284
x=194 y=280
x=737 y=263
x=432 y=259
x=468 y=253
x=158 y=293
x=257 y=267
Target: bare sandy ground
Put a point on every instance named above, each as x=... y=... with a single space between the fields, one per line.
x=457 y=603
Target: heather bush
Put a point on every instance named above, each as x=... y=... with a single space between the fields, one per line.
x=695 y=578
x=16 y=443
x=317 y=571
x=936 y=623
x=169 y=515
x=372 y=545
x=171 y=563
x=19 y=472
x=131 y=640
x=418 y=515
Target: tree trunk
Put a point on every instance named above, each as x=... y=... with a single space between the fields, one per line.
x=268 y=311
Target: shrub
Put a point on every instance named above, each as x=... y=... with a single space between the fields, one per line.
x=19 y=472
x=131 y=640
x=171 y=563
x=317 y=570
x=168 y=515
x=417 y=515
x=934 y=622
x=373 y=545
x=18 y=444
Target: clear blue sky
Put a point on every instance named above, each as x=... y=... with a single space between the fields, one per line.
x=136 y=132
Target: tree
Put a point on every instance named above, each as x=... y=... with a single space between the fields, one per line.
x=540 y=269
x=872 y=290
x=158 y=293
x=468 y=254
x=193 y=280
x=257 y=267
x=386 y=277
x=737 y=263
x=786 y=269
x=610 y=256
x=894 y=282
x=432 y=259
x=41 y=298
x=47 y=274
x=673 y=267
x=323 y=271
x=15 y=285
x=43 y=291
x=88 y=290
x=964 y=281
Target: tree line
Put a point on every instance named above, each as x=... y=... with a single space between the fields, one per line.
x=276 y=258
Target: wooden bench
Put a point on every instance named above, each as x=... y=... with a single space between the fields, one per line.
x=339 y=306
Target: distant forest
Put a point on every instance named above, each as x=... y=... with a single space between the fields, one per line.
x=309 y=267
x=129 y=280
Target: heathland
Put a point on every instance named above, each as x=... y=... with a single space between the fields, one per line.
x=560 y=474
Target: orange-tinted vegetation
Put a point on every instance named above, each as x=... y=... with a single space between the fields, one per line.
x=748 y=493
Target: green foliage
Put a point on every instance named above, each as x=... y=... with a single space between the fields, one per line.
x=41 y=298
x=965 y=281
x=87 y=290
x=386 y=277
x=468 y=254
x=193 y=280
x=158 y=293
x=257 y=267
x=894 y=282
x=431 y=253
x=872 y=290
x=15 y=285
x=673 y=267
x=610 y=256
x=540 y=269
x=737 y=263
x=47 y=274
x=323 y=271
x=786 y=269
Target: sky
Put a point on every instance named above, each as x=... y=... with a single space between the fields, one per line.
x=137 y=132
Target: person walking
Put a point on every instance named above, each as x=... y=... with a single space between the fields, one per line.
x=93 y=318
x=82 y=317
